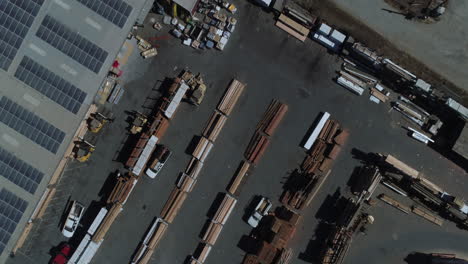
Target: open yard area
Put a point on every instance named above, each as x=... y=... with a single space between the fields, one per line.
x=274 y=66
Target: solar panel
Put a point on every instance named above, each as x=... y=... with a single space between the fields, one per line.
x=11 y=210
x=115 y=11
x=16 y=17
x=72 y=44
x=19 y=172
x=50 y=84
x=30 y=125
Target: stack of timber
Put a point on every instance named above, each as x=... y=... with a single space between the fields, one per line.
x=323 y=145
x=193 y=168
x=122 y=189
x=265 y=129
x=107 y=222
x=173 y=205
x=212 y=232
x=150 y=241
x=214 y=126
x=239 y=178
x=159 y=125
x=292 y=27
x=200 y=255
x=137 y=150
x=337 y=246
x=186 y=183
x=225 y=209
x=202 y=149
x=231 y=97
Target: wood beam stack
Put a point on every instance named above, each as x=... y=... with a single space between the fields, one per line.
x=231 y=96
x=238 y=179
x=202 y=149
x=107 y=222
x=202 y=252
x=225 y=209
x=122 y=189
x=150 y=241
x=214 y=126
x=186 y=183
x=159 y=125
x=173 y=205
x=212 y=232
x=265 y=130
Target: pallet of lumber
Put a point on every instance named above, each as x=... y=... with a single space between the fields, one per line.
x=158 y=234
x=116 y=190
x=107 y=222
x=238 y=178
x=185 y=183
x=329 y=130
x=202 y=252
x=173 y=206
x=159 y=125
x=170 y=201
x=341 y=137
x=212 y=233
x=150 y=241
x=333 y=151
x=193 y=168
x=202 y=149
x=272 y=117
x=231 y=96
x=426 y=214
x=326 y=165
x=224 y=209
x=388 y=200
x=214 y=126
x=250 y=259
x=256 y=148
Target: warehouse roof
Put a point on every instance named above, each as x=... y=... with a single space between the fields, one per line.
x=54 y=56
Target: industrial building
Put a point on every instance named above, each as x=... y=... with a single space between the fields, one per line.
x=54 y=56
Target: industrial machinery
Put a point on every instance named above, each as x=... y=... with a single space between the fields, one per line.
x=83 y=150
x=138 y=122
x=197 y=87
x=96 y=121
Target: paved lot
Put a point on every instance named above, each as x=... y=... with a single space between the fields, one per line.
x=442 y=46
x=274 y=66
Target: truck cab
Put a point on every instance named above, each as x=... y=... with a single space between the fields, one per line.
x=161 y=156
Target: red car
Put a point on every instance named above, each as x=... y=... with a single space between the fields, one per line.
x=63 y=255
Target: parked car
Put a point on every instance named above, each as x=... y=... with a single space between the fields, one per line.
x=62 y=255
x=73 y=219
x=262 y=209
x=160 y=158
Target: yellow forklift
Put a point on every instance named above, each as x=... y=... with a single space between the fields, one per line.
x=82 y=150
x=96 y=121
x=138 y=122
x=197 y=87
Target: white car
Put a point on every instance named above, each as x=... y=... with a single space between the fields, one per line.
x=262 y=209
x=73 y=218
x=162 y=155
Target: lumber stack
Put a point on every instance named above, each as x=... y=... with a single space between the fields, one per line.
x=202 y=149
x=107 y=222
x=225 y=209
x=202 y=252
x=122 y=189
x=265 y=130
x=231 y=96
x=150 y=241
x=212 y=232
x=186 y=183
x=173 y=205
x=159 y=125
x=136 y=152
x=238 y=178
x=193 y=168
x=214 y=126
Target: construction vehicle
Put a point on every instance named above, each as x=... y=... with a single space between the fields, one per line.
x=96 y=121
x=197 y=87
x=83 y=150
x=138 y=122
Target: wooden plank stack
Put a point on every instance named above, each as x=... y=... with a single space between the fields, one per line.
x=231 y=97
x=150 y=241
x=173 y=205
x=238 y=178
x=202 y=149
x=265 y=130
x=225 y=209
x=214 y=126
x=107 y=222
x=122 y=189
x=193 y=168
x=159 y=125
x=212 y=233
x=202 y=252
x=186 y=183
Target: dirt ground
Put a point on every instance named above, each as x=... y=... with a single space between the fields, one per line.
x=329 y=12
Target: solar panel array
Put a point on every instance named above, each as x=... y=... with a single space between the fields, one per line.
x=51 y=85
x=11 y=211
x=16 y=17
x=72 y=44
x=116 y=11
x=19 y=172
x=30 y=125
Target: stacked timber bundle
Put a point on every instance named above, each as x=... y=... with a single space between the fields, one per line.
x=193 y=168
x=225 y=209
x=122 y=189
x=159 y=125
x=212 y=232
x=173 y=205
x=238 y=179
x=214 y=126
x=231 y=96
x=136 y=152
x=202 y=149
x=200 y=255
x=265 y=129
x=186 y=183
x=107 y=222
x=150 y=241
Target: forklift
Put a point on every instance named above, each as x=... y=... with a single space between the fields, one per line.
x=197 y=87
x=83 y=150
x=138 y=122
x=96 y=121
